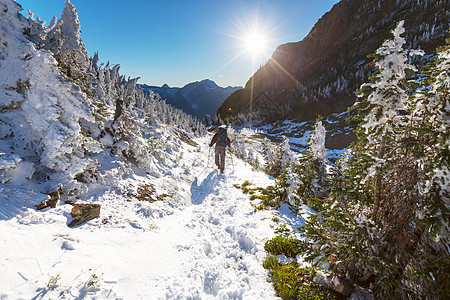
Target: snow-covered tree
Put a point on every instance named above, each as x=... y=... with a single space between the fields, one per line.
x=99 y=109
x=427 y=137
x=65 y=42
x=385 y=99
x=207 y=121
x=44 y=111
x=317 y=142
x=311 y=171
x=430 y=123
x=268 y=155
x=299 y=179
x=288 y=158
x=380 y=225
x=36 y=31
x=272 y=154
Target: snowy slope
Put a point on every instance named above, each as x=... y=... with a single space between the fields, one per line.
x=203 y=242
x=194 y=235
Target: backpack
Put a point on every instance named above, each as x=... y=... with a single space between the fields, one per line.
x=222 y=140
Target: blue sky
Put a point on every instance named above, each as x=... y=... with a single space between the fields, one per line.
x=180 y=41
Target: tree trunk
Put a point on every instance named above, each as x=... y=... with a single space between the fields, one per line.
x=378 y=182
x=119 y=109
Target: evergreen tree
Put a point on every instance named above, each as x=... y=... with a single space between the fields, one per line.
x=373 y=229
x=36 y=31
x=311 y=171
x=273 y=156
x=288 y=159
x=298 y=180
x=65 y=42
x=54 y=40
x=427 y=137
x=385 y=99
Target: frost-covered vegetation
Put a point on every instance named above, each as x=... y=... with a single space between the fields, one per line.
x=69 y=123
x=73 y=131
x=59 y=106
x=382 y=211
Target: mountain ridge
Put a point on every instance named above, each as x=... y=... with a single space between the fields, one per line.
x=320 y=74
x=199 y=98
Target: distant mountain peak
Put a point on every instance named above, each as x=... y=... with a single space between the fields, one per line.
x=209 y=83
x=196 y=98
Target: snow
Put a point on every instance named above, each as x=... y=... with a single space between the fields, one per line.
x=170 y=226
x=293 y=220
x=317 y=142
x=299 y=133
x=204 y=242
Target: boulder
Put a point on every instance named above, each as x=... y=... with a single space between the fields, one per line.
x=359 y=294
x=51 y=202
x=83 y=212
x=341 y=286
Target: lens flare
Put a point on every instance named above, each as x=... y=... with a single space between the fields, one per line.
x=255 y=43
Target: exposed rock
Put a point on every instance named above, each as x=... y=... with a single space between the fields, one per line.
x=51 y=202
x=360 y=295
x=90 y=175
x=341 y=286
x=22 y=87
x=187 y=140
x=319 y=75
x=147 y=192
x=84 y=212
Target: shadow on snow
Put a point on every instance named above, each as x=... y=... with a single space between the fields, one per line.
x=206 y=187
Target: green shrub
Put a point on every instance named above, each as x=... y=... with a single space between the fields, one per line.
x=292 y=282
x=246 y=184
x=286 y=245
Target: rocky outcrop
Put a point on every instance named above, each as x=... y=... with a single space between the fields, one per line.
x=84 y=212
x=319 y=75
x=50 y=202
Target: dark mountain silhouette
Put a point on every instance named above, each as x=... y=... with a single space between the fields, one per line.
x=198 y=98
x=319 y=75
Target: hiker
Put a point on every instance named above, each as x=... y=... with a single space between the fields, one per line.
x=221 y=140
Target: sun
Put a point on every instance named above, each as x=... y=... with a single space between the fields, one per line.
x=255 y=43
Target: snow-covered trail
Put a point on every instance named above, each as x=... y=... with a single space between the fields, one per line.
x=219 y=243
x=211 y=247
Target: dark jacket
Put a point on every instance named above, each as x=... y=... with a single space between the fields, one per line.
x=216 y=138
